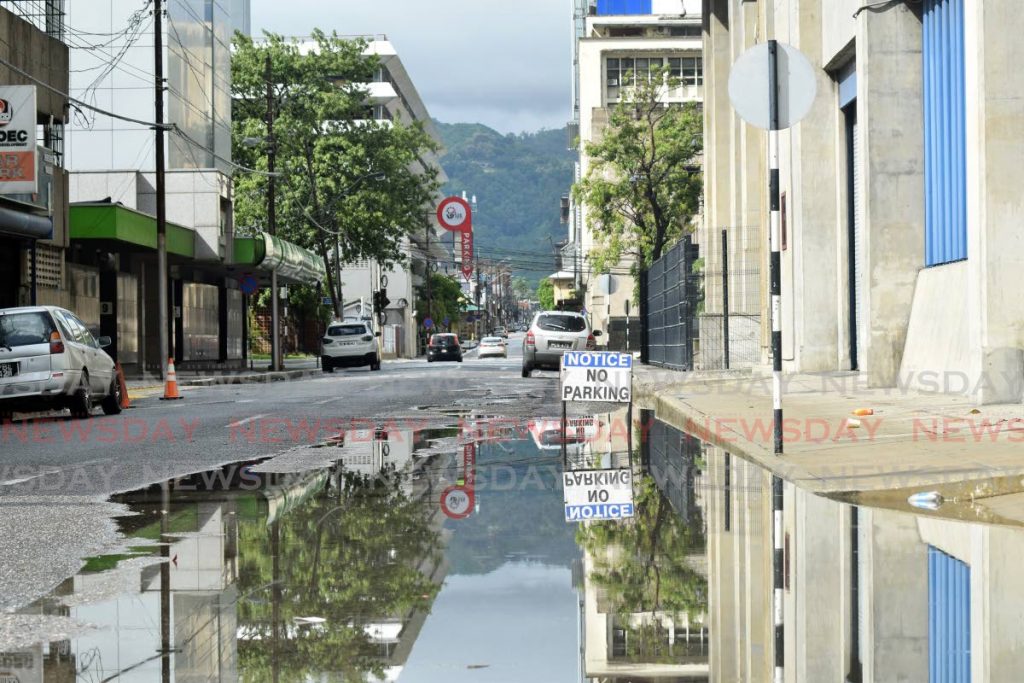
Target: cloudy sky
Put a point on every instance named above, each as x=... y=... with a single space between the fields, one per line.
x=501 y=63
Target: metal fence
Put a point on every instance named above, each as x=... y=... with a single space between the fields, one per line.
x=701 y=317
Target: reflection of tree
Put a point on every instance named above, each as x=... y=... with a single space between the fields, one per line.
x=640 y=563
x=352 y=557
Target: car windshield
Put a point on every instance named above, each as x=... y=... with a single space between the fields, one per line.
x=490 y=340
x=444 y=340
x=25 y=329
x=561 y=323
x=346 y=330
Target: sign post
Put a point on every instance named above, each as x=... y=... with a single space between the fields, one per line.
x=455 y=215
x=772 y=86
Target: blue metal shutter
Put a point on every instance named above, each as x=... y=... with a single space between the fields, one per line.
x=945 y=141
x=949 y=618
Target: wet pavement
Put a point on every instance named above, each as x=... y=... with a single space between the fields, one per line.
x=444 y=553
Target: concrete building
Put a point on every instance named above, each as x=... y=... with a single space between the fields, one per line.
x=33 y=225
x=618 y=41
x=394 y=97
x=900 y=237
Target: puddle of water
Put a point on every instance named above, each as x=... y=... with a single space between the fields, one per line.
x=449 y=551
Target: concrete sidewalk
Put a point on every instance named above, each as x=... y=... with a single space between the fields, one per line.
x=911 y=440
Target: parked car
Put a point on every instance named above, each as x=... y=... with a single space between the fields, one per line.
x=351 y=343
x=500 y=332
x=551 y=334
x=444 y=346
x=50 y=360
x=493 y=346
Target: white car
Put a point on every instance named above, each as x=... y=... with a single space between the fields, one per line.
x=49 y=359
x=350 y=343
x=492 y=346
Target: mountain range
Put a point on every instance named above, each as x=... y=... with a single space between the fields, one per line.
x=518 y=180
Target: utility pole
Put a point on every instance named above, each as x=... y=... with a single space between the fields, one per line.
x=161 y=193
x=428 y=273
x=275 y=319
x=477 y=297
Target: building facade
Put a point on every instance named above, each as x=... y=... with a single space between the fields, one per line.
x=900 y=238
x=618 y=41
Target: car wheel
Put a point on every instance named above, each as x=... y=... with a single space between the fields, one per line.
x=112 y=401
x=81 y=400
x=327 y=366
x=375 y=365
x=527 y=370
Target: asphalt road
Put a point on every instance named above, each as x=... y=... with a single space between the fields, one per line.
x=56 y=475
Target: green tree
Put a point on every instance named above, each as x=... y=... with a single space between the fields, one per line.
x=446 y=300
x=640 y=563
x=343 y=176
x=643 y=188
x=546 y=294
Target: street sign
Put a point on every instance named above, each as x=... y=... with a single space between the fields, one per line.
x=597 y=376
x=18 y=140
x=749 y=86
x=467 y=253
x=326 y=301
x=248 y=284
x=595 y=495
x=447 y=322
x=453 y=213
x=428 y=323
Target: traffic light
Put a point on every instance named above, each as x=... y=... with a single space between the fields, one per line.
x=380 y=300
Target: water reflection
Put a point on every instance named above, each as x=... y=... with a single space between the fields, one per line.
x=360 y=572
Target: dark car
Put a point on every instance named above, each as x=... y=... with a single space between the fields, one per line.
x=444 y=347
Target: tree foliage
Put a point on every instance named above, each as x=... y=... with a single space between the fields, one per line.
x=446 y=300
x=345 y=178
x=643 y=187
x=351 y=556
x=546 y=294
x=640 y=562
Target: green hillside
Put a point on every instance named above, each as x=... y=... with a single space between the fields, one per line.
x=518 y=181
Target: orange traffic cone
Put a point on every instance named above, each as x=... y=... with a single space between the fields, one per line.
x=125 y=402
x=171 y=384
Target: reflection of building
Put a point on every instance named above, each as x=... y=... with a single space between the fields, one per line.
x=870 y=594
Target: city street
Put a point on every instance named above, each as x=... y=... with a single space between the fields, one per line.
x=56 y=473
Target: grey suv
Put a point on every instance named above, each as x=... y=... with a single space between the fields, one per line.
x=551 y=334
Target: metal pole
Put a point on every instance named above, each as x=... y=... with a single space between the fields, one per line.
x=686 y=283
x=161 y=194
x=725 y=297
x=775 y=275
x=275 y=311
x=429 y=275
x=35 y=269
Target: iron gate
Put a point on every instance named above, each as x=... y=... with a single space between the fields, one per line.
x=672 y=293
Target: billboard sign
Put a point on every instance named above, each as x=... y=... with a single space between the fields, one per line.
x=18 y=170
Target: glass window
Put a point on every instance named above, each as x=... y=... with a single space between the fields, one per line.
x=346 y=330
x=561 y=323
x=86 y=336
x=25 y=329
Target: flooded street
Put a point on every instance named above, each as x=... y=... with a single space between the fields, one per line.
x=446 y=554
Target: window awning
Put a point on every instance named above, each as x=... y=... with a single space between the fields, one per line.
x=127 y=227
x=269 y=253
x=25 y=224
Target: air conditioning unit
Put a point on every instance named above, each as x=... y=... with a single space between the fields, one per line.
x=613 y=82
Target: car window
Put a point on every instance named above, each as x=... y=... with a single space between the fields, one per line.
x=85 y=336
x=561 y=323
x=491 y=340
x=75 y=328
x=444 y=340
x=25 y=329
x=346 y=330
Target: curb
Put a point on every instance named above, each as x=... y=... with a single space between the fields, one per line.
x=255 y=378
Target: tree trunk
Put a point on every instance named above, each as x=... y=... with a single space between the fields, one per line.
x=321 y=241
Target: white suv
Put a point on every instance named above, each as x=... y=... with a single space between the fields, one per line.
x=552 y=334
x=349 y=344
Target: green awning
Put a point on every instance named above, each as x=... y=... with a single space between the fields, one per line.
x=103 y=221
x=291 y=261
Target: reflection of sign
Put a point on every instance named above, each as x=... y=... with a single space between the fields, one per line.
x=18 y=139
x=596 y=376
x=467 y=253
x=458 y=502
x=22 y=667
x=593 y=495
x=453 y=213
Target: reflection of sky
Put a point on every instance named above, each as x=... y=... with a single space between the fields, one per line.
x=520 y=619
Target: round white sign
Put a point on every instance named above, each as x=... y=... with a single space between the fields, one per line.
x=456 y=502
x=453 y=213
x=796 y=88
